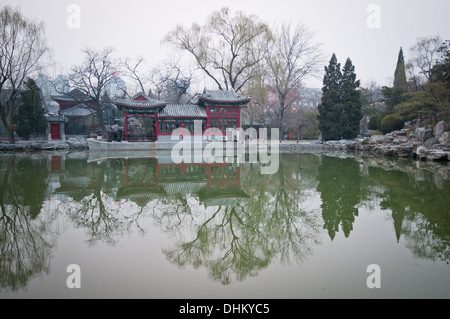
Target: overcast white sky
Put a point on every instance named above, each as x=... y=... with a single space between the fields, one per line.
x=136 y=27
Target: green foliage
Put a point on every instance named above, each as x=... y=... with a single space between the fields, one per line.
x=441 y=71
x=433 y=97
x=30 y=119
x=391 y=122
x=340 y=110
x=400 y=82
x=416 y=105
x=373 y=122
x=310 y=125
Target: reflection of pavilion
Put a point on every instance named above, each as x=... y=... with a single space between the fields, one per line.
x=144 y=179
x=215 y=184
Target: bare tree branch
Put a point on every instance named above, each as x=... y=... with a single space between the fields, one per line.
x=92 y=76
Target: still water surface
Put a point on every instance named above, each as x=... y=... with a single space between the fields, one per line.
x=144 y=227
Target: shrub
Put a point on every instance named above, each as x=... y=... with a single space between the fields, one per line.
x=373 y=123
x=391 y=122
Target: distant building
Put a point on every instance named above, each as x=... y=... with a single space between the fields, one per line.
x=76 y=115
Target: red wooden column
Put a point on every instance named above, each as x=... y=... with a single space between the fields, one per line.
x=126 y=126
x=156 y=126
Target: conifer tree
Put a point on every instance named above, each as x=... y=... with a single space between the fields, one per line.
x=330 y=109
x=30 y=119
x=351 y=100
x=340 y=109
x=400 y=81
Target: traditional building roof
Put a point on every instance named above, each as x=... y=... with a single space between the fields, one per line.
x=140 y=101
x=190 y=111
x=80 y=110
x=74 y=95
x=222 y=97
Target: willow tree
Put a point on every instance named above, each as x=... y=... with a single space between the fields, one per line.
x=228 y=48
x=22 y=48
x=292 y=58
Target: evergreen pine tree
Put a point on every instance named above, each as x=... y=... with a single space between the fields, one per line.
x=331 y=109
x=351 y=100
x=340 y=109
x=400 y=81
x=30 y=119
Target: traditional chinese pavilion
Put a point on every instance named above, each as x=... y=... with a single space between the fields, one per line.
x=147 y=119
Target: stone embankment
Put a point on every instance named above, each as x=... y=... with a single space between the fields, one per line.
x=426 y=143
x=78 y=143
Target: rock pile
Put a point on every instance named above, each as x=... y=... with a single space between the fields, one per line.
x=414 y=142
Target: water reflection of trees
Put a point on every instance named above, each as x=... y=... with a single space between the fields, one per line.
x=242 y=238
x=232 y=227
x=339 y=185
x=92 y=205
x=420 y=204
x=417 y=198
x=26 y=238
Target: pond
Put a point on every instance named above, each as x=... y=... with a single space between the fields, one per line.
x=141 y=226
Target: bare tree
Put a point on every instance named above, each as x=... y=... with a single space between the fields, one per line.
x=425 y=53
x=91 y=77
x=171 y=81
x=22 y=48
x=227 y=48
x=132 y=71
x=292 y=58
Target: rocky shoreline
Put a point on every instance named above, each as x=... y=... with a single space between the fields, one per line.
x=73 y=143
x=423 y=143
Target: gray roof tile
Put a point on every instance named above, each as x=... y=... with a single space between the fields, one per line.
x=220 y=96
x=81 y=110
x=139 y=104
x=173 y=110
x=74 y=95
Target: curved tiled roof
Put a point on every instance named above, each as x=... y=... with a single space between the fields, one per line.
x=139 y=103
x=219 y=96
x=189 y=110
x=74 y=95
x=81 y=110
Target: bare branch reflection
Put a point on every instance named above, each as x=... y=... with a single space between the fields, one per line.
x=26 y=237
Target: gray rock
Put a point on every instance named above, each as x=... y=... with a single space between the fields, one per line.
x=444 y=139
x=439 y=129
x=431 y=142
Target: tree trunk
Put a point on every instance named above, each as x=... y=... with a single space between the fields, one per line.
x=7 y=120
x=98 y=107
x=282 y=107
